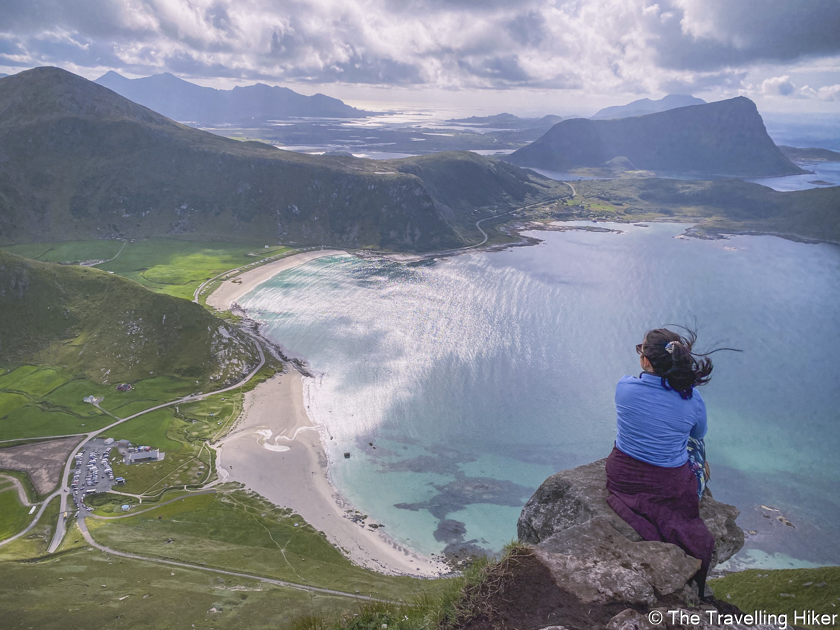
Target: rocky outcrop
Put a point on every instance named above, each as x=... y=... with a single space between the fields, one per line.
x=595 y=562
x=576 y=500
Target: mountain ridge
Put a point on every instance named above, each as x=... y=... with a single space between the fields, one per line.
x=721 y=138
x=647 y=106
x=184 y=101
x=78 y=161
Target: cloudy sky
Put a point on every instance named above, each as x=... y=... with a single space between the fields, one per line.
x=542 y=55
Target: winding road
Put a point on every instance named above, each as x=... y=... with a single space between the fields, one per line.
x=64 y=491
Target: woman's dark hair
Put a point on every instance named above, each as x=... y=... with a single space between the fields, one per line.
x=673 y=358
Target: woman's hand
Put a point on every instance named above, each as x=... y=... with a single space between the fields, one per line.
x=707 y=470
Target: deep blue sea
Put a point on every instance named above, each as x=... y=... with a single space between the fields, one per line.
x=458 y=385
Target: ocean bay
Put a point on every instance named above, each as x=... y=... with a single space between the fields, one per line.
x=458 y=385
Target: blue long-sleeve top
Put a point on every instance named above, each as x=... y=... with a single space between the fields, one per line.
x=654 y=422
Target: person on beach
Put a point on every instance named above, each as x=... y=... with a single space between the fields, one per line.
x=657 y=473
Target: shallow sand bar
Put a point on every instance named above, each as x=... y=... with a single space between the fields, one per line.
x=276 y=451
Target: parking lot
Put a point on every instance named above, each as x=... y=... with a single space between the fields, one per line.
x=92 y=471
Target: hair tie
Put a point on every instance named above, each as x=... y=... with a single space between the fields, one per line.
x=669 y=347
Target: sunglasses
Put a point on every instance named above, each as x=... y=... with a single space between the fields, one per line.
x=639 y=348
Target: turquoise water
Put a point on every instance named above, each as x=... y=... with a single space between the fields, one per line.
x=459 y=385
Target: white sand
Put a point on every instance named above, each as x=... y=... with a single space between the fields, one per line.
x=229 y=292
x=276 y=451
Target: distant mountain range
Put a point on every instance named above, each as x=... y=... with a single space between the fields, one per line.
x=187 y=102
x=810 y=155
x=722 y=138
x=509 y=121
x=78 y=161
x=646 y=106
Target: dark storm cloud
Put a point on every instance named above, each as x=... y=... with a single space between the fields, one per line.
x=527 y=29
x=499 y=69
x=713 y=34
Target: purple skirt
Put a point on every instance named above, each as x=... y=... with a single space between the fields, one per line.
x=660 y=504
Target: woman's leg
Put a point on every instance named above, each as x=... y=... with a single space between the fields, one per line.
x=697 y=463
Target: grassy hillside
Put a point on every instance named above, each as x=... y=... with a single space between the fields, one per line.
x=111 y=329
x=78 y=161
x=784 y=592
x=722 y=204
x=172 y=266
x=723 y=138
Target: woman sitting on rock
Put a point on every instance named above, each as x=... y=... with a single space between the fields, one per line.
x=656 y=474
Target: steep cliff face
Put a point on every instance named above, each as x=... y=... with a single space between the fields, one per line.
x=723 y=138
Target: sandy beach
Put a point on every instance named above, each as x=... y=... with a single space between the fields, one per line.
x=229 y=292
x=276 y=451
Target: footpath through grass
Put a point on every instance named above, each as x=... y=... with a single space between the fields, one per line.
x=83 y=588
x=182 y=432
x=36 y=542
x=14 y=516
x=240 y=531
x=164 y=265
x=39 y=401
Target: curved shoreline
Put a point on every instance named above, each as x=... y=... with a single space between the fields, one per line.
x=277 y=450
x=229 y=291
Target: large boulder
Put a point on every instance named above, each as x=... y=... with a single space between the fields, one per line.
x=594 y=554
x=579 y=495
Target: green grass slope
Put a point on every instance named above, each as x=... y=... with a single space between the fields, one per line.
x=728 y=204
x=724 y=138
x=111 y=329
x=165 y=265
x=78 y=162
x=788 y=592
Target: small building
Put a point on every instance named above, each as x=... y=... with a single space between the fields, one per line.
x=90 y=399
x=126 y=508
x=109 y=441
x=150 y=455
x=124 y=387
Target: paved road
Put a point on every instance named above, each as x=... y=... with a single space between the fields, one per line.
x=486 y=236
x=34 y=520
x=198 y=567
x=63 y=490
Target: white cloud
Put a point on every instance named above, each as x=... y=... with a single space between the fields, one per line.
x=825 y=93
x=597 y=46
x=778 y=86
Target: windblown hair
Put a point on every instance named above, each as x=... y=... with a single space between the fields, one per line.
x=673 y=358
